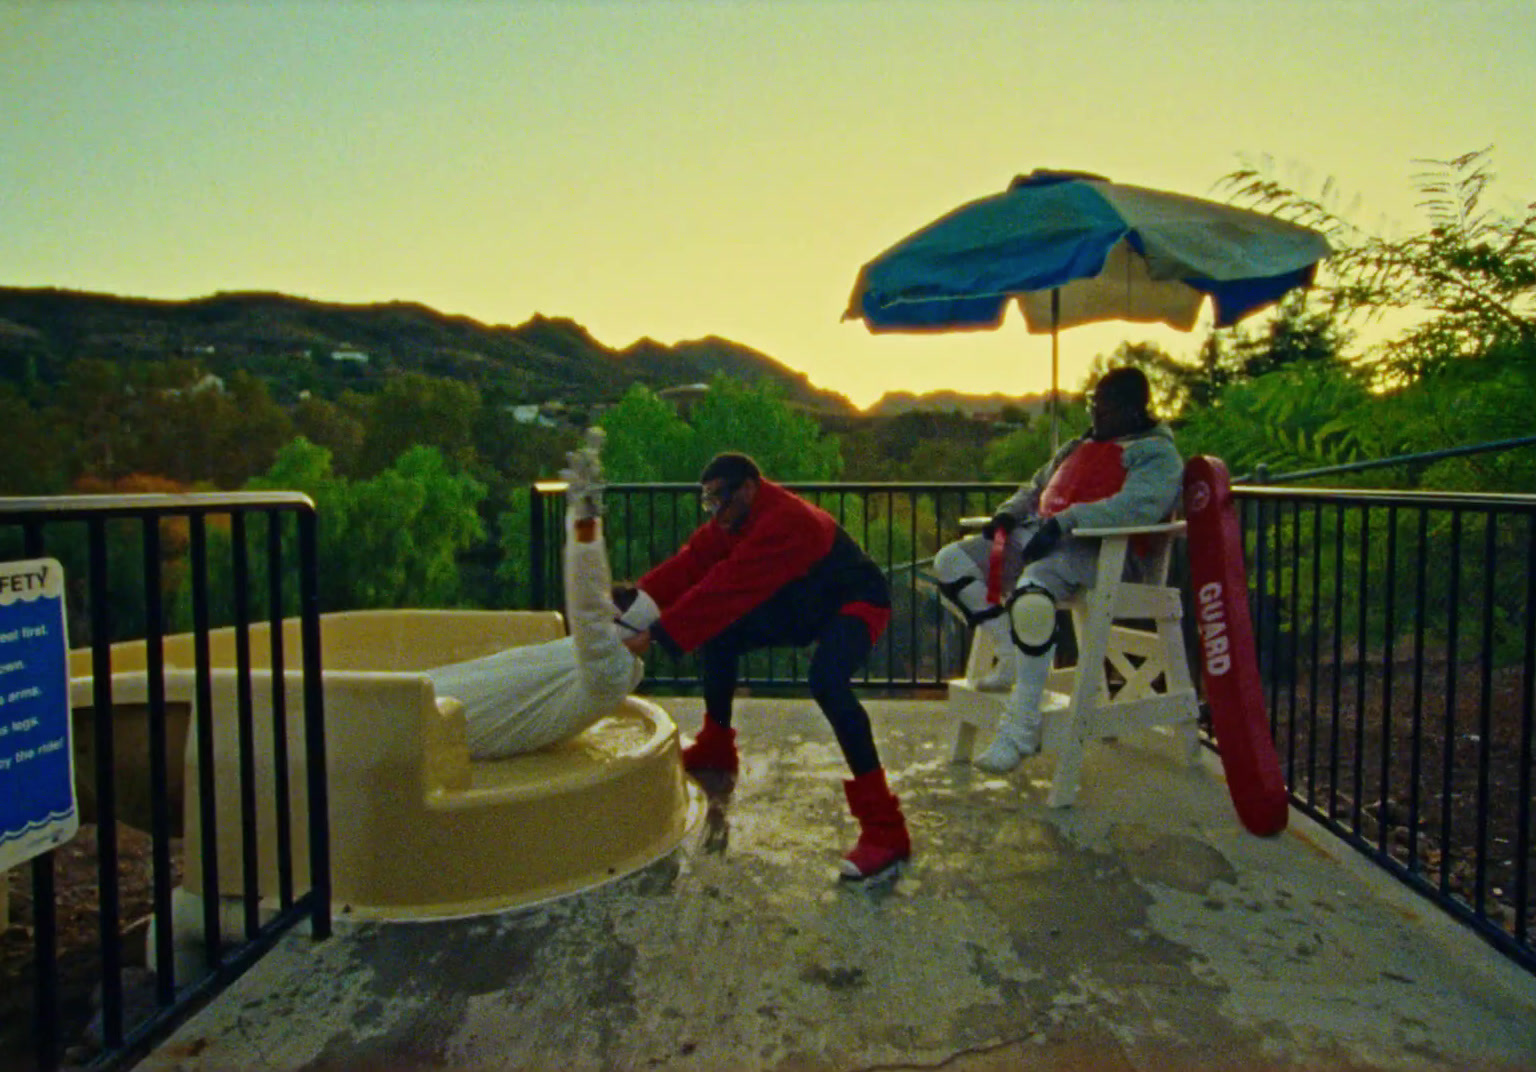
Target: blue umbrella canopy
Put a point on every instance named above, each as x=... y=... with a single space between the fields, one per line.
x=1089 y=248
x=1074 y=248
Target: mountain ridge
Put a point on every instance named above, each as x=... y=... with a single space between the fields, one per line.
x=277 y=335
x=293 y=341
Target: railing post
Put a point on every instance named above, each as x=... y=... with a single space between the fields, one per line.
x=45 y=918
x=98 y=513
x=159 y=765
x=536 y=548
x=314 y=728
x=277 y=660
x=208 y=816
x=109 y=906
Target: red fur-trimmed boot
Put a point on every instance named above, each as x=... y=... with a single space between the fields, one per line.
x=883 y=842
x=713 y=750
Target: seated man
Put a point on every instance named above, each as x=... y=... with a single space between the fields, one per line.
x=1124 y=471
x=527 y=697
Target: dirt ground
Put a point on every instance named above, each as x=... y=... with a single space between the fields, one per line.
x=1407 y=802
x=75 y=884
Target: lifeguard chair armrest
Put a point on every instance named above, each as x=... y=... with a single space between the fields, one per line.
x=1161 y=528
x=1175 y=527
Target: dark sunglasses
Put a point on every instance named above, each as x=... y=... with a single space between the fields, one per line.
x=714 y=501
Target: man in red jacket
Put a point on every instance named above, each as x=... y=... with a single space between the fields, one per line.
x=770 y=569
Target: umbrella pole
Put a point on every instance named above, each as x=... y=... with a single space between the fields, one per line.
x=1055 y=397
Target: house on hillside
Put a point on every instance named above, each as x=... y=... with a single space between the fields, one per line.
x=208 y=382
x=684 y=396
x=531 y=413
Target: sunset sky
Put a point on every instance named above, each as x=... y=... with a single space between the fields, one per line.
x=681 y=169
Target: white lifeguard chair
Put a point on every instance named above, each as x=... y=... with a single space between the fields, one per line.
x=1133 y=628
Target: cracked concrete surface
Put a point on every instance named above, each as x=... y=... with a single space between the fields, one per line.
x=1142 y=929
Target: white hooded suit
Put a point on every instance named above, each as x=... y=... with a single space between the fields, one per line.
x=524 y=698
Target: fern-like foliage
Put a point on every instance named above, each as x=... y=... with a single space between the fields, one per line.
x=1471 y=274
x=1300 y=417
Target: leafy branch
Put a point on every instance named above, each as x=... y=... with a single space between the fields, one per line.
x=1472 y=272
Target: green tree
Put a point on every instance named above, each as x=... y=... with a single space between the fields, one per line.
x=34 y=461
x=1167 y=377
x=330 y=425
x=513 y=571
x=647 y=441
x=1458 y=374
x=515 y=453
x=921 y=445
x=252 y=428
x=389 y=541
x=89 y=405
x=443 y=521
x=1015 y=457
x=1299 y=332
x=173 y=419
x=942 y=459
x=1301 y=416
x=756 y=419
x=1473 y=400
x=1470 y=277
x=512 y=456
x=413 y=410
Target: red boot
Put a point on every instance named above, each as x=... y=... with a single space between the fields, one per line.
x=883 y=841
x=712 y=751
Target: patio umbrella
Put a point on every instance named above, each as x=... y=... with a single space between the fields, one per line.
x=1074 y=248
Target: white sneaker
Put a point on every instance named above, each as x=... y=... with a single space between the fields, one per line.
x=1014 y=741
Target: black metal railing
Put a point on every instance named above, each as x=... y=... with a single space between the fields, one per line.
x=1262 y=476
x=137 y=565
x=901 y=525
x=1397 y=639
x=1395 y=636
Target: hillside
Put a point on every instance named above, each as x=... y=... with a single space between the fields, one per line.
x=895 y=403
x=294 y=344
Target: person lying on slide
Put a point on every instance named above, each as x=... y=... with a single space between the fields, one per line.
x=528 y=697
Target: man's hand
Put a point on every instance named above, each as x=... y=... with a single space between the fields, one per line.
x=1004 y=523
x=1044 y=541
x=638 y=643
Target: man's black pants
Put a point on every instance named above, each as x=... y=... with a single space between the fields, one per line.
x=842 y=645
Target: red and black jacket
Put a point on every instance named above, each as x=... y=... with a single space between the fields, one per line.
x=790 y=564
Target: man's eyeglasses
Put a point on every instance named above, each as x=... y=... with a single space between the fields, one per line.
x=713 y=500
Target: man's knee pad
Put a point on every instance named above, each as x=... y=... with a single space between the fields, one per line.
x=1032 y=619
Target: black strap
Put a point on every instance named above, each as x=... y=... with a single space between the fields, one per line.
x=951 y=590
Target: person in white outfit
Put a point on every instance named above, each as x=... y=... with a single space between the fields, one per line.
x=1124 y=471
x=528 y=697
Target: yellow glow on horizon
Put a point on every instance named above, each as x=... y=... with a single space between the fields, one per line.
x=675 y=170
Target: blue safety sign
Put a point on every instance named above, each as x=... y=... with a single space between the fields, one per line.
x=37 y=768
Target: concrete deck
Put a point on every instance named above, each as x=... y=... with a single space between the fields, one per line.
x=1142 y=929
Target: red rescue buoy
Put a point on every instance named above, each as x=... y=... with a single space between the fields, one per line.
x=1228 y=660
